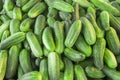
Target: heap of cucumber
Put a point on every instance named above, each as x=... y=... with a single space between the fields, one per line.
x=59 y=40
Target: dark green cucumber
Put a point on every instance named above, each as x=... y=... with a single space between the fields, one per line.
x=73 y=33
x=26 y=45
x=83 y=47
x=88 y=31
x=43 y=68
x=26 y=24
x=94 y=72
x=17 y=13
x=110 y=59
x=105 y=22
x=59 y=36
x=113 y=41
x=37 y=9
x=12 y=62
x=33 y=75
x=47 y=38
x=69 y=71
x=98 y=52
x=79 y=73
x=101 y=4
x=111 y=73
x=3 y=63
x=34 y=44
x=14 y=26
x=4 y=27
x=74 y=55
x=53 y=66
x=29 y=5
x=52 y=12
x=5 y=35
x=12 y=40
x=40 y=24
x=62 y=6
x=24 y=59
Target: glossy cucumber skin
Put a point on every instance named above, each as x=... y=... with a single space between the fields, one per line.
x=37 y=9
x=74 y=55
x=106 y=6
x=62 y=6
x=113 y=41
x=47 y=39
x=34 y=75
x=98 y=52
x=83 y=46
x=69 y=71
x=12 y=62
x=53 y=66
x=94 y=72
x=110 y=59
x=26 y=64
x=59 y=36
x=73 y=33
x=40 y=24
x=88 y=29
x=12 y=40
x=3 y=63
x=79 y=73
x=34 y=44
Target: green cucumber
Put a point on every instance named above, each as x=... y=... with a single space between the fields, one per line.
x=24 y=59
x=12 y=40
x=8 y=5
x=20 y=72
x=53 y=66
x=47 y=38
x=17 y=13
x=21 y=3
x=52 y=12
x=74 y=55
x=50 y=22
x=73 y=33
x=5 y=35
x=92 y=11
x=34 y=44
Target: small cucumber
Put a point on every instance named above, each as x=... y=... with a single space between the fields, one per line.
x=21 y=3
x=5 y=35
x=50 y=21
x=20 y=72
x=8 y=5
x=52 y=12
x=17 y=13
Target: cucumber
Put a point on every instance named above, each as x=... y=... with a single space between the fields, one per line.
x=110 y=59
x=92 y=11
x=84 y=3
x=50 y=22
x=20 y=72
x=113 y=41
x=26 y=45
x=52 y=12
x=33 y=75
x=111 y=73
x=106 y=6
x=14 y=26
x=47 y=39
x=105 y=22
x=4 y=18
x=12 y=40
x=17 y=13
x=29 y=5
x=24 y=59
x=73 y=33
x=99 y=32
x=40 y=24
x=69 y=71
x=94 y=72
x=34 y=44
x=62 y=6
x=5 y=35
x=21 y=3
x=3 y=63
x=79 y=73
x=65 y=15
x=88 y=29
x=74 y=55
x=8 y=5
x=53 y=66
x=26 y=24
x=45 y=51
x=61 y=63
x=76 y=12
x=4 y=27
x=98 y=52
x=37 y=9
x=83 y=47
x=59 y=36
x=43 y=68
x=12 y=62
